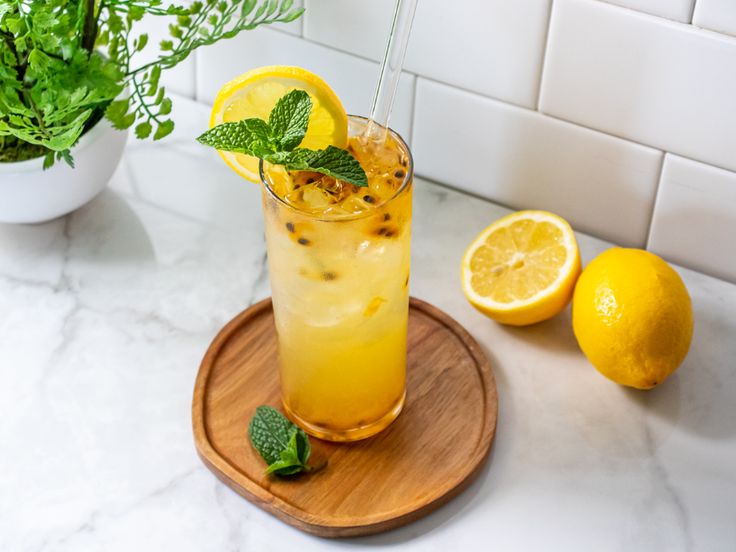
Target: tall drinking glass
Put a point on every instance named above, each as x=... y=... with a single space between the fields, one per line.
x=339 y=267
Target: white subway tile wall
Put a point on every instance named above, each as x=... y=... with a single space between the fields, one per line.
x=493 y=47
x=716 y=15
x=354 y=26
x=588 y=108
x=180 y=79
x=644 y=78
x=294 y=27
x=695 y=217
x=600 y=184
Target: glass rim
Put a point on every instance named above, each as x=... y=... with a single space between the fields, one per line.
x=408 y=177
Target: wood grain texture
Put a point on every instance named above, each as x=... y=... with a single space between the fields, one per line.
x=427 y=456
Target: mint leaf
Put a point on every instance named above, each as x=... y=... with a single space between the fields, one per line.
x=281 y=467
x=283 y=445
x=289 y=461
x=250 y=136
x=289 y=119
x=276 y=141
x=269 y=432
x=303 y=447
x=331 y=161
x=260 y=134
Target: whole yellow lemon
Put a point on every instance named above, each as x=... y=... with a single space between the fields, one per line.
x=632 y=317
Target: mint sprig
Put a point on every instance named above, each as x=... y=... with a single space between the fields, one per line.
x=289 y=119
x=276 y=141
x=284 y=446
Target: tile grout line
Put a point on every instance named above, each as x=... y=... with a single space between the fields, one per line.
x=614 y=5
x=550 y=116
x=545 y=51
x=303 y=19
x=654 y=203
x=410 y=73
x=692 y=13
x=335 y=49
x=634 y=141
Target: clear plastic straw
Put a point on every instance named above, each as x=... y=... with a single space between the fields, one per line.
x=393 y=61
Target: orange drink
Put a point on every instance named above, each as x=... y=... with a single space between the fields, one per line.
x=339 y=262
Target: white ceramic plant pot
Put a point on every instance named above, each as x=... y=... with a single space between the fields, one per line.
x=30 y=194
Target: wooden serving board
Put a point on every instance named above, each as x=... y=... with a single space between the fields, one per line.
x=427 y=456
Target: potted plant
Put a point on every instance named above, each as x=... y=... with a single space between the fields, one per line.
x=69 y=82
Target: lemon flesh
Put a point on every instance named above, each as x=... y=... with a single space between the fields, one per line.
x=632 y=317
x=522 y=268
x=255 y=93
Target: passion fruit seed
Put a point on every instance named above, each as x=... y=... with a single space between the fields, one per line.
x=385 y=166
x=290 y=227
x=386 y=216
x=328 y=275
x=303 y=241
x=387 y=231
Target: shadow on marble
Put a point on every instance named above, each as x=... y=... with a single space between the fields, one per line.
x=663 y=403
x=554 y=334
x=198 y=188
x=108 y=230
x=29 y=237
x=104 y=231
x=698 y=397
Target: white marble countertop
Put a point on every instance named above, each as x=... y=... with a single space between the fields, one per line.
x=105 y=315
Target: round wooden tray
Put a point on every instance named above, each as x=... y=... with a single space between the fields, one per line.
x=427 y=456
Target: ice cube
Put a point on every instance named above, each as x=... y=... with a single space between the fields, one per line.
x=383 y=188
x=355 y=204
x=315 y=198
x=294 y=198
x=303 y=178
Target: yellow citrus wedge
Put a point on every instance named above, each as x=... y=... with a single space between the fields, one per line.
x=522 y=268
x=255 y=93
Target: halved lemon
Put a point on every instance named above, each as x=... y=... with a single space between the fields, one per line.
x=522 y=268
x=255 y=93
